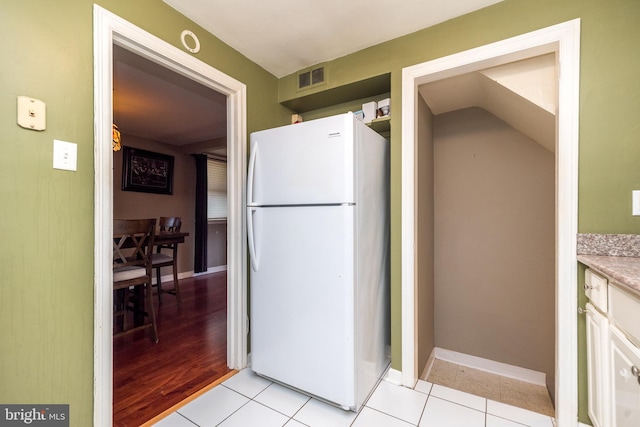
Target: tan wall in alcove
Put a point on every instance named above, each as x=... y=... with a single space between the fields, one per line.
x=494 y=242
x=425 y=299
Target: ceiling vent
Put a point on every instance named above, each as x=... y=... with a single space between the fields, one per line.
x=311 y=77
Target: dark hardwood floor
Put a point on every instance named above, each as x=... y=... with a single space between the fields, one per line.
x=191 y=353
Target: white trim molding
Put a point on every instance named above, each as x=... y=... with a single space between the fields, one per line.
x=108 y=30
x=394 y=376
x=563 y=40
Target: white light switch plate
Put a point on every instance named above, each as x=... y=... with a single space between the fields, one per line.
x=65 y=155
x=635 y=202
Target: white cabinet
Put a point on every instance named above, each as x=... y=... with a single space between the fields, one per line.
x=624 y=311
x=625 y=385
x=598 y=396
x=613 y=355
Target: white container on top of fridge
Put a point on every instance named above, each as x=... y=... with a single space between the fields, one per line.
x=318 y=230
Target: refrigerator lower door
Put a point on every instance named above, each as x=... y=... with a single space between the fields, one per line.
x=302 y=299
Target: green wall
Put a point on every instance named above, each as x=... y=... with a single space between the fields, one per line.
x=609 y=108
x=46 y=256
x=46 y=260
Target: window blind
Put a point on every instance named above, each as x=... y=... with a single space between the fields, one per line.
x=217 y=189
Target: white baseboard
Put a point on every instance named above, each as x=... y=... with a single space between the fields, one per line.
x=503 y=369
x=394 y=376
x=428 y=366
x=187 y=274
x=183 y=275
x=169 y=277
x=210 y=270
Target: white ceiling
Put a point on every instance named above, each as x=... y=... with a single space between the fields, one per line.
x=152 y=102
x=284 y=36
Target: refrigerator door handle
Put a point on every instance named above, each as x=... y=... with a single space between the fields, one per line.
x=252 y=167
x=251 y=237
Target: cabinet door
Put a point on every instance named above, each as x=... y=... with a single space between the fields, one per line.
x=625 y=388
x=597 y=330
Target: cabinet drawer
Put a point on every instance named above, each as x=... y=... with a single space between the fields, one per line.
x=595 y=287
x=624 y=312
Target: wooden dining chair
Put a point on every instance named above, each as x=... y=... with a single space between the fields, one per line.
x=167 y=256
x=132 y=275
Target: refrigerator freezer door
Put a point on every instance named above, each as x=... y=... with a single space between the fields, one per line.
x=302 y=299
x=305 y=163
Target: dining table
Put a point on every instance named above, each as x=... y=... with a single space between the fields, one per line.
x=169 y=237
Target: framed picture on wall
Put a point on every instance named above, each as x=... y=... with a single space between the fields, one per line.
x=146 y=171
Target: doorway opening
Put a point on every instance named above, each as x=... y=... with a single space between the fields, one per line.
x=488 y=222
x=161 y=111
x=110 y=30
x=563 y=42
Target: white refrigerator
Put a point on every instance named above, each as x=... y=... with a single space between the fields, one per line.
x=318 y=231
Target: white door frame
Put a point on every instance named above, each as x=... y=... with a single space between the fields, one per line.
x=564 y=40
x=110 y=29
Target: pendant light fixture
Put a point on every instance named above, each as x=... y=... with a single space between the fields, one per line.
x=116 y=138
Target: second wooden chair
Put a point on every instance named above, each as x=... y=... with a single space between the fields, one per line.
x=168 y=258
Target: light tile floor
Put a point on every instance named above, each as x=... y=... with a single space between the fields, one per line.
x=247 y=400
